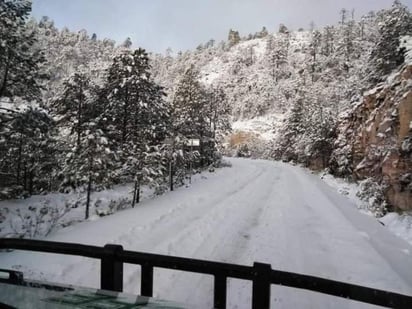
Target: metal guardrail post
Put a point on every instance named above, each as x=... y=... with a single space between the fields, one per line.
x=146 y=285
x=220 y=292
x=111 y=273
x=15 y=277
x=261 y=286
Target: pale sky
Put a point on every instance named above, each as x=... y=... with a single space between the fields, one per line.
x=183 y=24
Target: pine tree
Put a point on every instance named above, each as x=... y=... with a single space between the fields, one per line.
x=283 y=29
x=386 y=55
x=19 y=57
x=138 y=114
x=319 y=125
x=128 y=82
x=218 y=112
x=328 y=41
x=263 y=33
x=277 y=49
x=28 y=151
x=127 y=43
x=190 y=112
x=188 y=102
x=89 y=163
x=291 y=132
x=233 y=37
x=73 y=105
x=314 y=50
x=347 y=43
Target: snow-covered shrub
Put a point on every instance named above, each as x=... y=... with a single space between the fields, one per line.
x=37 y=221
x=372 y=194
x=161 y=189
x=112 y=207
x=243 y=151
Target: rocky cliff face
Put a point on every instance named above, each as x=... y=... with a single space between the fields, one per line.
x=375 y=139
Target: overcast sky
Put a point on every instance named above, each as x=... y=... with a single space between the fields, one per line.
x=182 y=24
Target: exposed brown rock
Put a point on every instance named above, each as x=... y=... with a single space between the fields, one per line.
x=241 y=137
x=375 y=137
x=405 y=115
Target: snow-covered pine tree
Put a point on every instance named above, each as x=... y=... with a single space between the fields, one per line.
x=137 y=113
x=291 y=132
x=233 y=37
x=328 y=41
x=190 y=117
x=188 y=102
x=127 y=43
x=89 y=164
x=27 y=151
x=68 y=53
x=386 y=55
x=319 y=133
x=218 y=114
x=263 y=33
x=19 y=56
x=72 y=106
x=314 y=51
x=127 y=82
x=277 y=48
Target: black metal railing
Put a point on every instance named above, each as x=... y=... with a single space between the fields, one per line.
x=113 y=257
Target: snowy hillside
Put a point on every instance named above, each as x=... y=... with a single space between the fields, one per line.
x=265 y=127
x=255 y=211
x=244 y=70
x=289 y=91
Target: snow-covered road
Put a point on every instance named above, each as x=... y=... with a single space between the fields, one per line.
x=255 y=211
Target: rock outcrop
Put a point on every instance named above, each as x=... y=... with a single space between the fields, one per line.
x=375 y=139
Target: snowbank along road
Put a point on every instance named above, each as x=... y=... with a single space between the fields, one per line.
x=261 y=211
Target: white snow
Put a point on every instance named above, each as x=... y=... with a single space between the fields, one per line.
x=343 y=187
x=11 y=224
x=258 y=45
x=406 y=42
x=399 y=224
x=265 y=126
x=255 y=211
x=217 y=69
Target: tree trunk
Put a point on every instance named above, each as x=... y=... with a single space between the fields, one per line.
x=31 y=176
x=25 y=176
x=171 y=175
x=191 y=162
x=201 y=150
x=138 y=191
x=89 y=189
x=4 y=82
x=134 y=193
x=18 y=172
x=125 y=117
x=79 y=119
x=313 y=66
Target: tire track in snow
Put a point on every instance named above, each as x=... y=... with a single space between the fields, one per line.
x=151 y=235
x=177 y=218
x=219 y=234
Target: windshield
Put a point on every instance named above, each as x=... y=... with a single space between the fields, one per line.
x=247 y=133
